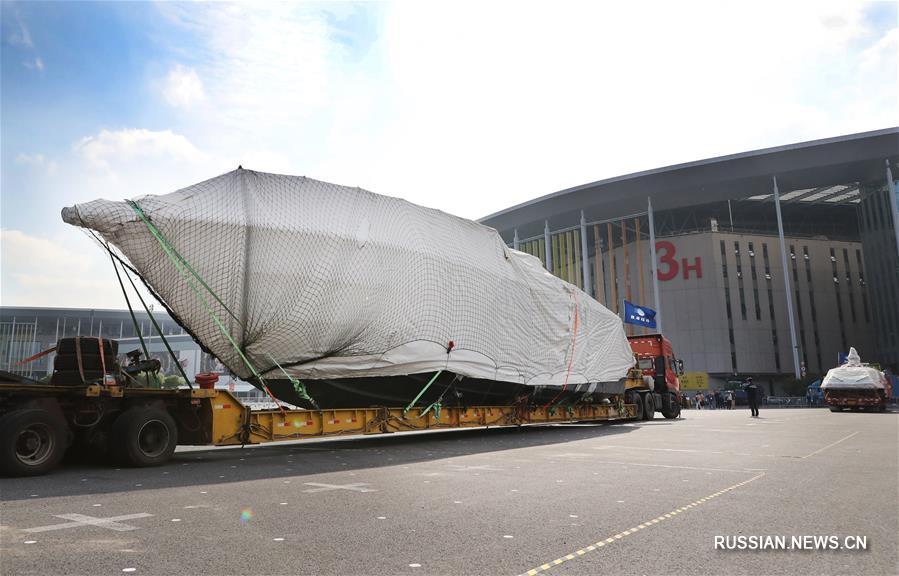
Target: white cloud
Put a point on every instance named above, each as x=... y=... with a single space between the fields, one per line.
x=34 y=64
x=183 y=87
x=264 y=64
x=67 y=272
x=471 y=108
x=21 y=36
x=37 y=161
x=109 y=148
x=450 y=101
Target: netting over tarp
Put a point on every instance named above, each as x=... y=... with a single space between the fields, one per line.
x=337 y=282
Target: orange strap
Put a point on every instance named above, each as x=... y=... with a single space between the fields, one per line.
x=36 y=356
x=571 y=357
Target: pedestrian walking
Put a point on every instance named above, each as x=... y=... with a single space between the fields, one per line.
x=752 y=396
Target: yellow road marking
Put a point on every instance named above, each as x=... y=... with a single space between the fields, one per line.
x=620 y=535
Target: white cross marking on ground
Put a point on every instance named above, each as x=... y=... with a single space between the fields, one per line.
x=77 y=520
x=466 y=468
x=325 y=487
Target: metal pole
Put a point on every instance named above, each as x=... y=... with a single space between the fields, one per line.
x=731 y=215
x=34 y=348
x=9 y=350
x=783 y=258
x=515 y=240
x=891 y=190
x=547 y=245
x=653 y=269
x=52 y=356
x=585 y=260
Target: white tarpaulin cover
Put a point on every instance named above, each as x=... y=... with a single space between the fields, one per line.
x=853 y=374
x=334 y=282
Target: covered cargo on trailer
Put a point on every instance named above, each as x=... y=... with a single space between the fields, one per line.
x=361 y=296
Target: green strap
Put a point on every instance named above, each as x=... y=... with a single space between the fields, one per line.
x=182 y=266
x=298 y=386
x=175 y=255
x=423 y=390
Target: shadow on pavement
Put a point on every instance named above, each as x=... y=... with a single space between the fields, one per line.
x=193 y=466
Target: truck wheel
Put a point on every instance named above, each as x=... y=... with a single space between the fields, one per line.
x=836 y=409
x=144 y=437
x=32 y=442
x=649 y=407
x=673 y=409
x=638 y=400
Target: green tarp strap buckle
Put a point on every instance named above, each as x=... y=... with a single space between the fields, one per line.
x=436 y=406
x=298 y=386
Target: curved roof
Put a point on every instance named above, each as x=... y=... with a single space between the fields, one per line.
x=802 y=166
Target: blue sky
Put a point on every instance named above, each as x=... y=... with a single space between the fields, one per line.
x=466 y=107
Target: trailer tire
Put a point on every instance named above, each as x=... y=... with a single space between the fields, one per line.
x=144 y=437
x=32 y=442
x=649 y=407
x=638 y=400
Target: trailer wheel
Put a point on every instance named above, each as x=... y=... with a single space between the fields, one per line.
x=144 y=437
x=649 y=407
x=32 y=442
x=638 y=400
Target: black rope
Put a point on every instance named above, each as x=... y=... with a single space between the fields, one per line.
x=168 y=347
x=143 y=344
x=159 y=331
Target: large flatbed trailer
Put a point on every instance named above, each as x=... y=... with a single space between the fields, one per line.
x=40 y=423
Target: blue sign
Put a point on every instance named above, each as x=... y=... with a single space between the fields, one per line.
x=639 y=315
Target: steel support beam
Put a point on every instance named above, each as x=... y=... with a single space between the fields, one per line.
x=786 y=275
x=891 y=190
x=585 y=259
x=653 y=268
x=547 y=245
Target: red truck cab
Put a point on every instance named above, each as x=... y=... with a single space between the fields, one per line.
x=655 y=356
x=661 y=388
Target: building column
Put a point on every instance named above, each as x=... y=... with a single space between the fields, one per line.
x=547 y=245
x=891 y=190
x=515 y=240
x=653 y=268
x=585 y=259
x=786 y=275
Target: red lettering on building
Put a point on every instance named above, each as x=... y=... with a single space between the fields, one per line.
x=668 y=267
x=695 y=267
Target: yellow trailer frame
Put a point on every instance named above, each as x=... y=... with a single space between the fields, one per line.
x=206 y=417
x=232 y=423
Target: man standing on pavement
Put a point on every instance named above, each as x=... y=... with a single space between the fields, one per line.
x=752 y=396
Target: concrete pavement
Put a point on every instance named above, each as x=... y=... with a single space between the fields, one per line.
x=637 y=498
